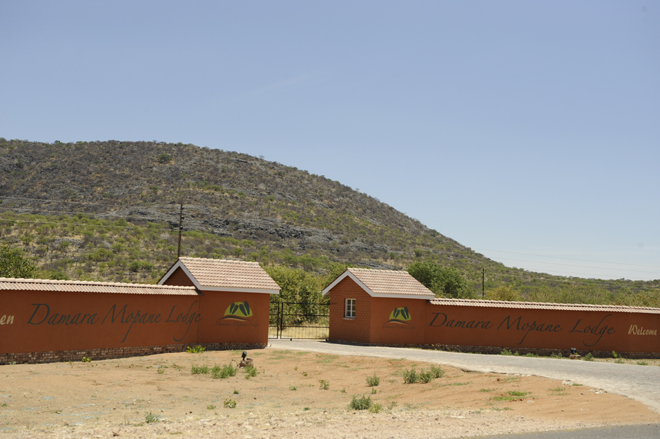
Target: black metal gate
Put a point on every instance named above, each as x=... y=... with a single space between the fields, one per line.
x=299 y=320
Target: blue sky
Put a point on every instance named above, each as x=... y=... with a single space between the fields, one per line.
x=527 y=131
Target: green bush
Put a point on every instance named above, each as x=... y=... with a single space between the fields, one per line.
x=195 y=349
x=424 y=376
x=376 y=408
x=363 y=403
x=373 y=380
x=226 y=371
x=410 y=376
x=197 y=370
x=437 y=372
x=250 y=371
x=150 y=418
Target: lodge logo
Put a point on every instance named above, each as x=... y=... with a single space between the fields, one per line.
x=238 y=311
x=400 y=315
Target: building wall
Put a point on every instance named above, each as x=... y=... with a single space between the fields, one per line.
x=221 y=325
x=179 y=278
x=516 y=328
x=491 y=329
x=53 y=326
x=405 y=327
x=58 y=321
x=344 y=329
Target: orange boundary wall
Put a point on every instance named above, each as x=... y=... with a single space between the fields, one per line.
x=54 y=325
x=490 y=326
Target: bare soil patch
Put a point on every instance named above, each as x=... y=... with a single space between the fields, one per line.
x=293 y=392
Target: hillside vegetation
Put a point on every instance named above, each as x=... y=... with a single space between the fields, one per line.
x=110 y=211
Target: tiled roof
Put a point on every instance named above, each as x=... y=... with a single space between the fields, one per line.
x=383 y=283
x=225 y=273
x=92 y=287
x=543 y=305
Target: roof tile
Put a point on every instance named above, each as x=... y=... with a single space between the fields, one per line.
x=93 y=287
x=391 y=282
x=229 y=274
x=543 y=305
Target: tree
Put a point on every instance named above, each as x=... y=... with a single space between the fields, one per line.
x=299 y=288
x=503 y=292
x=13 y=264
x=443 y=281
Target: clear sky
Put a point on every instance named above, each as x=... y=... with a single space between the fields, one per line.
x=527 y=131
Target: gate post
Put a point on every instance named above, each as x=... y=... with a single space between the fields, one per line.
x=280 y=320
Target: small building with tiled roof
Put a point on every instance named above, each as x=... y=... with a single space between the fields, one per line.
x=377 y=307
x=215 y=303
x=385 y=307
x=220 y=275
x=236 y=298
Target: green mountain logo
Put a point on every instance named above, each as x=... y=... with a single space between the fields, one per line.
x=238 y=311
x=400 y=315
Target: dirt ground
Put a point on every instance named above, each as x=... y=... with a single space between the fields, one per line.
x=293 y=393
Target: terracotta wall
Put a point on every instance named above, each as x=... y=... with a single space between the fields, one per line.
x=528 y=330
x=179 y=278
x=397 y=321
x=224 y=323
x=57 y=321
x=533 y=328
x=345 y=329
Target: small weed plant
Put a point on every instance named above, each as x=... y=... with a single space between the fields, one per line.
x=236 y=392
x=226 y=371
x=505 y=351
x=362 y=403
x=293 y=388
x=199 y=370
x=150 y=418
x=230 y=403
x=86 y=360
x=250 y=371
x=556 y=355
x=373 y=380
x=210 y=407
x=375 y=408
x=411 y=376
x=373 y=391
x=511 y=396
x=588 y=357
x=324 y=384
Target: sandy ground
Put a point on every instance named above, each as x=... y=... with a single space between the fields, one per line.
x=159 y=396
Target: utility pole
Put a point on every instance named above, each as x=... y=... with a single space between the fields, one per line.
x=178 y=252
x=483 y=282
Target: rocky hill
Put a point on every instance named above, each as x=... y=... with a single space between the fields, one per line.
x=234 y=205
